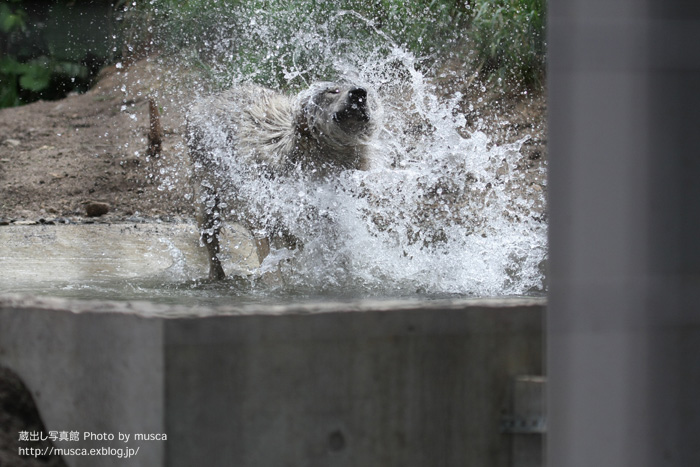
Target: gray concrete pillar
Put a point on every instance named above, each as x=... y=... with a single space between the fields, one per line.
x=623 y=334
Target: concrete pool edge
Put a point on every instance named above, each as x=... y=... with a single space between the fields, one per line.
x=146 y=309
x=31 y=254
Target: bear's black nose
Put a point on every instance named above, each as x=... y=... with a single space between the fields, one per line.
x=357 y=96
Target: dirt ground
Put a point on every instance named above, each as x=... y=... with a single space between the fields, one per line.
x=59 y=157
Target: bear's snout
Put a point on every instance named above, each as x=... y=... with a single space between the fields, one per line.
x=358 y=96
x=354 y=108
x=357 y=101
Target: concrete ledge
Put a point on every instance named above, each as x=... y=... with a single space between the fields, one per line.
x=33 y=254
x=368 y=383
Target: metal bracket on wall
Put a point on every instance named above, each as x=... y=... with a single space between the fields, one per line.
x=527 y=421
x=514 y=425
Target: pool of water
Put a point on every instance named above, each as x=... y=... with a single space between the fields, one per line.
x=165 y=263
x=234 y=291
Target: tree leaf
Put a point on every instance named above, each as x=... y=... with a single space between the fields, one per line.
x=36 y=78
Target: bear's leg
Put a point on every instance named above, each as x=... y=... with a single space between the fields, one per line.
x=210 y=228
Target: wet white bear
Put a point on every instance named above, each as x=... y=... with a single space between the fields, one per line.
x=324 y=129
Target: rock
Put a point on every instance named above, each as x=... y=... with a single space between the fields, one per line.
x=12 y=142
x=96 y=209
x=20 y=414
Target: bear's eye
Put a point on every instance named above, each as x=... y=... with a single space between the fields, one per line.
x=333 y=91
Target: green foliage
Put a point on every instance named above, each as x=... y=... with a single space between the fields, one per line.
x=12 y=19
x=34 y=76
x=287 y=42
x=509 y=37
x=280 y=42
x=12 y=22
x=33 y=63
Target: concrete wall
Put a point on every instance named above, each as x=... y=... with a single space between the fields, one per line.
x=372 y=384
x=96 y=372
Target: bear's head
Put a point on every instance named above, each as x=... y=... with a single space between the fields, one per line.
x=337 y=112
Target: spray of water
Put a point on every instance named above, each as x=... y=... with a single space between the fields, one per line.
x=441 y=210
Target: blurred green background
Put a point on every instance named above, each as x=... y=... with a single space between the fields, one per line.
x=53 y=47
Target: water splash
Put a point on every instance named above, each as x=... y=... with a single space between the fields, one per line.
x=441 y=210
